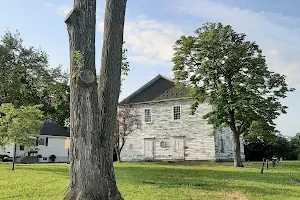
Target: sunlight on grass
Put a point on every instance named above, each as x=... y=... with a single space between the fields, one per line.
x=162 y=181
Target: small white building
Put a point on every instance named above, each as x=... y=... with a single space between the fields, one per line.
x=50 y=142
x=169 y=131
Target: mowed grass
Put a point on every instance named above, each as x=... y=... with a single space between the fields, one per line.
x=161 y=181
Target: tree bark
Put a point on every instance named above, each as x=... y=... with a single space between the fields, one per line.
x=14 y=157
x=237 y=160
x=92 y=117
x=237 y=150
x=110 y=74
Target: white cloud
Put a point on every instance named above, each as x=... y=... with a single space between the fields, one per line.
x=64 y=10
x=148 y=60
x=149 y=41
x=275 y=33
x=101 y=27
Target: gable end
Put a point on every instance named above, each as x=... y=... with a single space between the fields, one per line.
x=159 y=88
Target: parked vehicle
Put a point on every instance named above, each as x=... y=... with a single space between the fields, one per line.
x=7 y=159
x=2 y=156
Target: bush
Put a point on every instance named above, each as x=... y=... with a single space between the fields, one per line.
x=52 y=158
x=298 y=158
x=32 y=152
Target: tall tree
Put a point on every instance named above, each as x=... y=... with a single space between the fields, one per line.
x=295 y=147
x=19 y=126
x=128 y=119
x=231 y=74
x=29 y=80
x=282 y=147
x=92 y=112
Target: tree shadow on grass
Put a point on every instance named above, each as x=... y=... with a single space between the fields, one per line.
x=59 y=169
x=252 y=183
x=274 y=177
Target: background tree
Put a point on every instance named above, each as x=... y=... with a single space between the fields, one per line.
x=125 y=64
x=295 y=147
x=282 y=148
x=230 y=73
x=20 y=126
x=56 y=99
x=127 y=121
x=264 y=141
x=93 y=112
x=29 y=80
x=257 y=149
x=259 y=141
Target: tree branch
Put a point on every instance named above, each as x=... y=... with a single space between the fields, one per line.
x=123 y=143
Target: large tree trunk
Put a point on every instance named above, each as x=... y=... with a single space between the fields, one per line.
x=110 y=73
x=237 y=150
x=236 y=142
x=92 y=119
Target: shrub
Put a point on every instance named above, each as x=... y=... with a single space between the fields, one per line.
x=52 y=158
x=32 y=152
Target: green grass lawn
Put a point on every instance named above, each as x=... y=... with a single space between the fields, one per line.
x=145 y=181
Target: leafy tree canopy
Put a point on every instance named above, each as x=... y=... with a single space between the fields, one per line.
x=28 y=79
x=20 y=125
x=259 y=131
x=295 y=146
x=231 y=74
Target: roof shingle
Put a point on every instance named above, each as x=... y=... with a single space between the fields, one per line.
x=54 y=129
x=159 y=88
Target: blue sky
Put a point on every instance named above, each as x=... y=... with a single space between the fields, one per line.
x=152 y=27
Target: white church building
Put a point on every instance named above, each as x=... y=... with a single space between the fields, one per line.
x=169 y=131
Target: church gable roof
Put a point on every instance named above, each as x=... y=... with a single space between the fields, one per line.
x=159 y=88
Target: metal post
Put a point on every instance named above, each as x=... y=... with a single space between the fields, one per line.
x=68 y=155
x=262 y=167
x=14 y=157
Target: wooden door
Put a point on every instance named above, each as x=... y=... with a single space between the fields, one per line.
x=178 y=149
x=149 y=148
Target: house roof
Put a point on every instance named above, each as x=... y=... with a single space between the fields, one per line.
x=54 y=129
x=159 y=88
